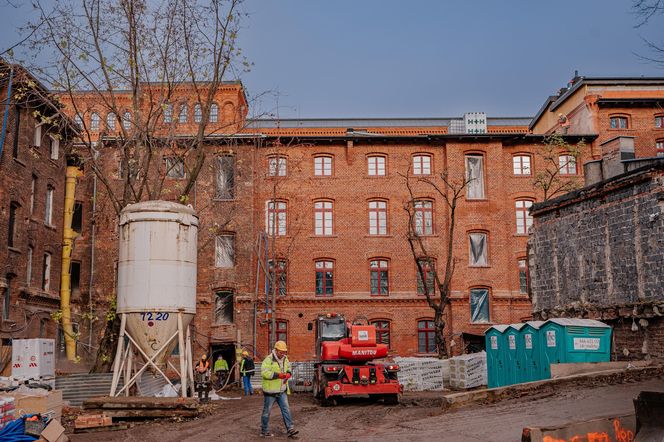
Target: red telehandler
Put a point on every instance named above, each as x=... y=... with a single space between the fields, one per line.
x=343 y=369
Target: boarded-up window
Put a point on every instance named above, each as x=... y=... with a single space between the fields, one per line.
x=225 y=251
x=429 y=270
x=174 y=167
x=225 y=184
x=475 y=176
x=479 y=305
x=278 y=275
x=223 y=307
x=478 y=249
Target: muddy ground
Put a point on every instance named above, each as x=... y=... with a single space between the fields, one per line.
x=418 y=417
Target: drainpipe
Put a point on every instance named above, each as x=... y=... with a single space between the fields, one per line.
x=92 y=255
x=68 y=235
x=6 y=117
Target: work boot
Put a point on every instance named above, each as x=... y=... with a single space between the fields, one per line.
x=267 y=434
x=292 y=432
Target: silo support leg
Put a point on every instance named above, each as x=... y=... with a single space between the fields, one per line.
x=130 y=365
x=148 y=361
x=118 y=355
x=190 y=366
x=183 y=356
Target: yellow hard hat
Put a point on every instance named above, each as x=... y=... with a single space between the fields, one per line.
x=281 y=346
x=245 y=353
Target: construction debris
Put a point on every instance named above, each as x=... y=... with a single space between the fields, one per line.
x=142 y=407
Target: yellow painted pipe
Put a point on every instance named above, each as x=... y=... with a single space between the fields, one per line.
x=68 y=235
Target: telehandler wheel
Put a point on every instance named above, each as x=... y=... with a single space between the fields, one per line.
x=391 y=399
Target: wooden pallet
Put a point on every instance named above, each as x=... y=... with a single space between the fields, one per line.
x=142 y=407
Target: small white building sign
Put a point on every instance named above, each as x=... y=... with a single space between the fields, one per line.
x=512 y=339
x=550 y=338
x=529 y=340
x=363 y=335
x=494 y=342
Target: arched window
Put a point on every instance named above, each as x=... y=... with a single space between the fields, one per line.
x=619 y=122
x=324 y=278
x=276 y=165
x=78 y=120
x=521 y=164
x=376 y=165
x=423 y=217
x=475 y=176
x=184 y=113
x=378 y=217
x=382 y=331
x=275 y=217
x=523 y=217
x=168 y=113
x=278 y=275
x=478 y=249
x=567 y=164
x=94 y=121
x=659 y=148
x=126 y=120
x=323 y=165
x=659 y=121
x=426 y=336
x=422 y=164
x=479 y=305
x=429 y=269
x=523 y=275
x=198 y=113
x=110 y=121
x=379 y=276
x=214 y=113
x=323 y=218
x=223 y=307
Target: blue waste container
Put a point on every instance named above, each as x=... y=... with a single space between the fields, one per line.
x=566 y=340
x=495 y=355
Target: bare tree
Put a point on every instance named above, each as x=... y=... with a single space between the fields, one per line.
x=558 y=158
x=437 y=293
x=645 y=12
x=118 y=67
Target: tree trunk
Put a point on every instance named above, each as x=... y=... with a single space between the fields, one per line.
x=107 y=345
x=439 y=325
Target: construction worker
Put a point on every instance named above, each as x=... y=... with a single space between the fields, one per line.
x=203 y=364
x=247 y=369
x=275 y=373
x=220 y=371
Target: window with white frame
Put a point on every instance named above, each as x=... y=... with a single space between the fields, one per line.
x=478 y=249
x=479 y=305
x=659 y=121
x=28 y=269
x=421 y=164
x=377 y=217
x=475 y=176
x=379 y=271
x=95 y=121
x=78 y=120
x=225 y=177
x=376 y=165
x=214 y=113
x=224 y=251
x=38 y=135
x=659 y=148
x=324 y=278
x=174 y=167
x=619 y=122
x=523 y=217
x=184 y=114
x=276 y=165
x=168 y=113
x=567 y=165
x=46 y=273
x=521 y=164
x=48 y=211
x=126 y=120
x=323 y=165
x=423 y=217
x=198 y=113
x=275 y=218
x=110 y=120
x=523 y=276
x=54 y=147
x=323 y=217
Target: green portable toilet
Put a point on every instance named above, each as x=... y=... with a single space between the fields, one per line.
x=513 y=364
x=566 y=340
x=495 y=355
x=529 y=348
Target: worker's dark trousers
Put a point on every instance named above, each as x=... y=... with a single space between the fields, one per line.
x=282 y=400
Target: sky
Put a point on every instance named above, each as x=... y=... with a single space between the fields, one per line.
x=424 y=58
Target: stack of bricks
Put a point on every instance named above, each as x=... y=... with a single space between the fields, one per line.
x=93 y=421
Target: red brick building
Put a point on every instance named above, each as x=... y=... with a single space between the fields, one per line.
x=33 y=147
x=321 y=205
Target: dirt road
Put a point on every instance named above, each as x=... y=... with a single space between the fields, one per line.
x=419 y=417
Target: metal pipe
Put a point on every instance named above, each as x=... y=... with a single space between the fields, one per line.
x=92 y=255
x=258 y=271
x=6 y=117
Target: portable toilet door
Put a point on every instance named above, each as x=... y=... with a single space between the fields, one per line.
x=495 y=357
x=513 y=364
x=531 y=346
x=552 y=342
x=586 y=340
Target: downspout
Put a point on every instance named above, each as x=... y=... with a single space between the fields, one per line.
x=6 y=117
x=68 y=235
x=92 y=255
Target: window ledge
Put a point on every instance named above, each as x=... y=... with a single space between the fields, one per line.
x=224 y=200
x=523 y=175
x=478 y=200
x=378 y=236
x=50 y=227
x=323 y=236
x=479 y=267
x=19 y=161
x=521 y=235
x=14 y=249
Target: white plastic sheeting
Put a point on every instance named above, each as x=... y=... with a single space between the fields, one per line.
x=423 y=374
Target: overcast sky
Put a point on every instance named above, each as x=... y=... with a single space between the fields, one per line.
x=433 y=58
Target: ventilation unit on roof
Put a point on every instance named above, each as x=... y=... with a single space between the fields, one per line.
x=457 y=127
x=475 y=122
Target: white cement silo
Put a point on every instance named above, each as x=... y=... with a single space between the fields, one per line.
x=156 y=287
